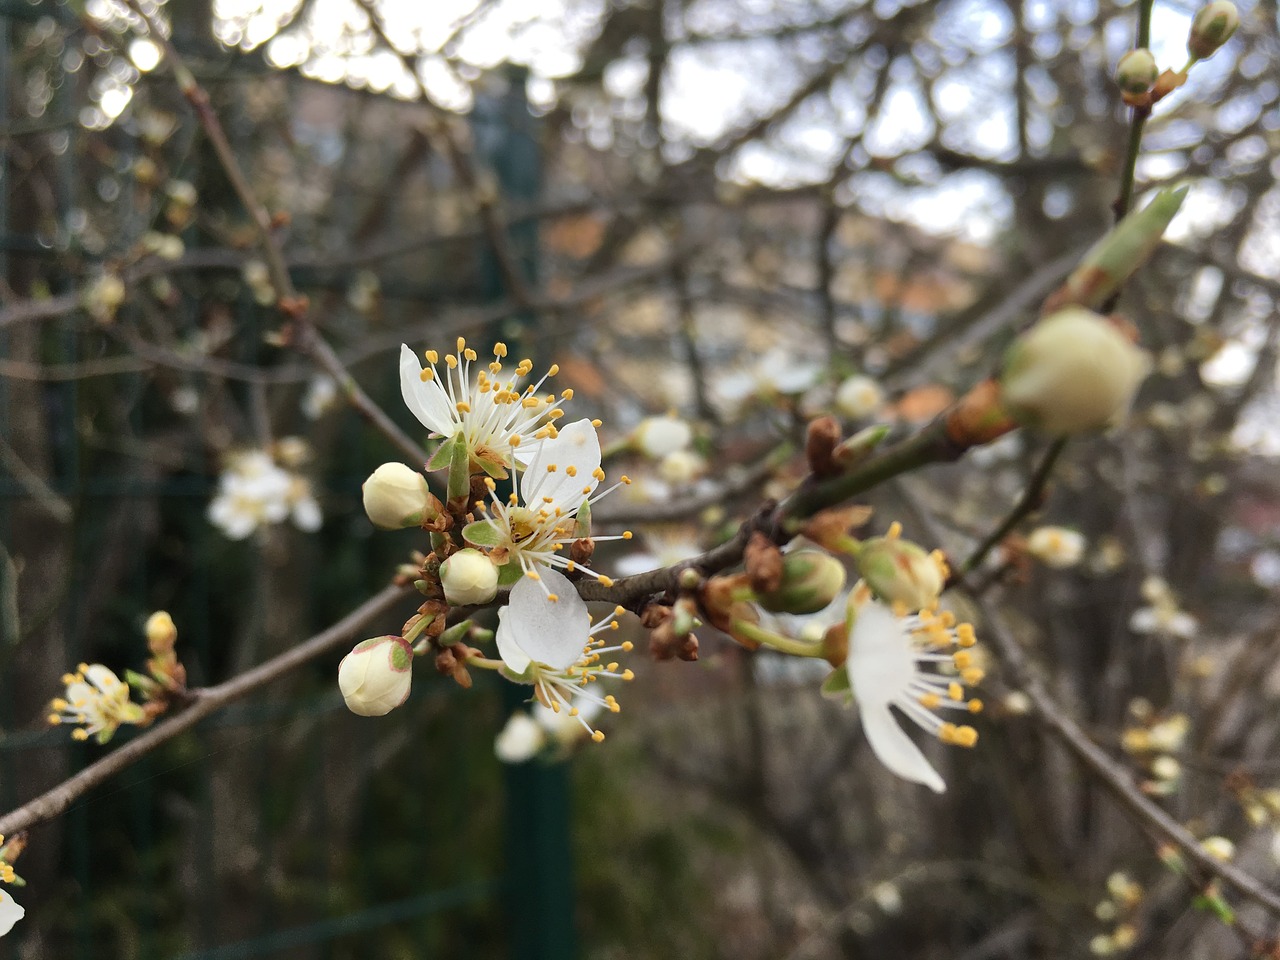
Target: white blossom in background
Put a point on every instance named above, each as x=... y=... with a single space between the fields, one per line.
x=1056 y=547
x=96 y=702
x=255 y=491
x=893 y=661
x=1162 y=615
x=320 y=398
x=662 y=547
x=858 y=397
x=656 y=437
x=681 y=467
x=522 y=738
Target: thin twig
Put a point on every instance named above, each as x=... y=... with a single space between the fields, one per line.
x=1031 y=499
x=205 y=701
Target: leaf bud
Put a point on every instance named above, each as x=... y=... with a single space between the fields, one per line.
x=396 y=496
x=810 y=580
x=374 y=677
x=1073 y=371
x=1211 y=28
x=1136 y=73
x=899 y=571
x=469 y=577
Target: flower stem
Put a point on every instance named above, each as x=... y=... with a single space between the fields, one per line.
x=788 y=645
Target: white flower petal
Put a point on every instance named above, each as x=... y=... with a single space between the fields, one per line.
x=575 y=454
x=880 y=663
x=10 y=912
x=427 y=399
x=551 y=632
x=515 y=658
x=895 y=749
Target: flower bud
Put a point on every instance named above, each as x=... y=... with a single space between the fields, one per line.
x=1211 y=28
x=161 y=632
x=656 y=437
x=1056 y=547
x=1071 y=372
x=680 y=467
x=858 y=397
x=469 y=577
x=1121 y=251
x=396 y=496
x=1136 y=72
x=374 y=677
x=811 y=579
x=899 y=571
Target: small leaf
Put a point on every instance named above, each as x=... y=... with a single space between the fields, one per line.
x=482 y=533
x=836 y=686
x=509 y=574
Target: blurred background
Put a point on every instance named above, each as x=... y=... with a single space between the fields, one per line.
x=721 y=208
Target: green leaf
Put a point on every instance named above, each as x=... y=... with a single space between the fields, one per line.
x=509 y=574
x=836 y=686
x=482 y=533
x=442 y=455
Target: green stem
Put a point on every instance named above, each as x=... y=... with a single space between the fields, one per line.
x=796 y=648
x=1140 y=114
x=930 y=445
x=1028 y=502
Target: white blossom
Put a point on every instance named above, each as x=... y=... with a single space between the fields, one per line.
x=547 y=639
x=894 y=661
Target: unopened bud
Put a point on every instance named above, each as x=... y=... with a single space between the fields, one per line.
x=900 y=571
x=1113 y=259
x=1057 y=547
x=161 y=632
x=469 y=577
x=1071 y=372
x=396 y=496
x=374 y=677
x=656 y=437
x=1211 y=28
x=811 y=579
x=1136 y=73
x=858 y=397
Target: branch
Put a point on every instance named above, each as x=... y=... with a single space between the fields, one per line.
x=305 y=336
x=205 y=701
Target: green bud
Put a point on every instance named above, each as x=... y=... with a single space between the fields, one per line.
x=811 y=579
x=1211 y=28
x=1114 y=258
x=1136 y=73
x=899 y=571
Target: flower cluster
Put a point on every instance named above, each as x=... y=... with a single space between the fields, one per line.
x=97 y=702
x=258 y=488
x=494 y=427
